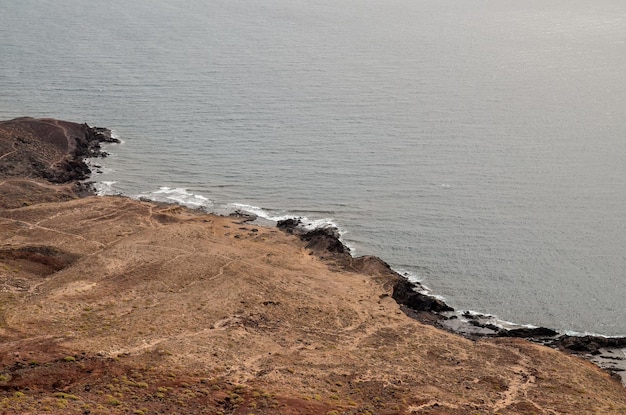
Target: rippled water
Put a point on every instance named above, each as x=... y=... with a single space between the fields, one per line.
x=479 y=146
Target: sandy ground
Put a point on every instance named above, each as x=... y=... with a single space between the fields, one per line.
x=110 y=305
x=115 y=306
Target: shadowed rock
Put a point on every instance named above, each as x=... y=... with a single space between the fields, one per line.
x=324 y=241
x=49 y=149
x=404 y=293
x=42 y=160
x=588 y=344
x=525 y=332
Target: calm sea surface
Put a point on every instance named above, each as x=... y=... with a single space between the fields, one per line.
x=478 y=145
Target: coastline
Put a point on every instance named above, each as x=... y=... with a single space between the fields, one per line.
x=122 y=231
x=44 y=159
x=606 y=352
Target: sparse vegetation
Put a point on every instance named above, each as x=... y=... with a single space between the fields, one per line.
x=180 y=318
x=113 y=401
x=66 y=396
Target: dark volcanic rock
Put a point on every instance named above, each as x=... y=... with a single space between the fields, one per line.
x=320 y=240
x=326 y=242
x=288 y=225
x=244 y=216
x=372 y=265
x=404 y=293
x=102 y=135
x=526 y=333
x=35 y=153
x=588 y=344
x=49 y=149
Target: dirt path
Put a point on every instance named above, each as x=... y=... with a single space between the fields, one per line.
x=9 y=153
x=39 y=183
x=71 y=145
x=519 y=385
x=36 y=226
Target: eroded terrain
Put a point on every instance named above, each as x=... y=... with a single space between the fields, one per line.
x=114 y=306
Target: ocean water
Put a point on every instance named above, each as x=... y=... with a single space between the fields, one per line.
x=479 y=146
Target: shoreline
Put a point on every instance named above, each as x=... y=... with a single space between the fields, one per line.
x=157 y=292
x=83 y=142
x=607 y=352
x=39 y=155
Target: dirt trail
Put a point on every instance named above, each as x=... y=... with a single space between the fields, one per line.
x=114 y=306
x=9 y=153
x=174 y=291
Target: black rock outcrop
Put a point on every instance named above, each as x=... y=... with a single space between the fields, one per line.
x=325 y=243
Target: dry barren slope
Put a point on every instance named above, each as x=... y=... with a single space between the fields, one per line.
x=117 y=306
x=35 y=153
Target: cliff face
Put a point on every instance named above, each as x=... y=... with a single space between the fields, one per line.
x=35 y=153
x=109 y=305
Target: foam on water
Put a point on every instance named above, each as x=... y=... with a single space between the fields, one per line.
x=588 y=333
x=256 y=211
x=462 y=314
x=97 y=167
x=487 y=319
x=420 y=286
x=275 y=216
x=179 y=195
x=184 y=197
x=505 y=186
x=105 y=188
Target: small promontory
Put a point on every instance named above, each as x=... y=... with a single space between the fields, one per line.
x=116 y=306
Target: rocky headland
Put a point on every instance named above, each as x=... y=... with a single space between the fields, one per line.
x=110 y=306
x=42 y=160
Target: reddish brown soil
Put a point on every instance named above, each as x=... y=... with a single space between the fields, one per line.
x=115 y=306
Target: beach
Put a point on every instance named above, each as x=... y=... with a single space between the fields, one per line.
x=113 y=305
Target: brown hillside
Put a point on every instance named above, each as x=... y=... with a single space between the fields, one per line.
x=115 y=306
x=130 y=306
